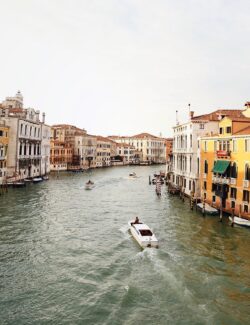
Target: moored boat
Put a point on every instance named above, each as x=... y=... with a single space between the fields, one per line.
x=240 y=221
x=37 y=179
x=143 y=234
x=208 y=209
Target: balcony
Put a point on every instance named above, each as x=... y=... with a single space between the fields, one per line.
x=225 y=180
x=233 y=181
x=223 y=153
x=246 y=183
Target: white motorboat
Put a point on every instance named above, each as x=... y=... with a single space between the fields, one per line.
x=37 y=179
x=208 y=209
x=240 y=221
x=143 y=234
x=89 y=185
x=45 y=177
x=133 y=175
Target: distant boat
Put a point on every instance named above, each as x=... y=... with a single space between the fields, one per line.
x=89 y=185
x=208 y=209
x=240 y=221
x=133 y=175
x=28 y=180
x=37 y=179
x=45 y=177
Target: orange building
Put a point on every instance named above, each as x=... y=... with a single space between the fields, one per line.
x=225 y=166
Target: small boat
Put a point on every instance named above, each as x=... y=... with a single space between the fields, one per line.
x=240 y=221
x=37 y=179
x=133 y=175
x=89 y=185
x=208 y=209
x=143 y=234
x=28 y=180
x=45 y=177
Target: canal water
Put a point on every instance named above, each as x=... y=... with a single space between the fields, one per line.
x=66 y=256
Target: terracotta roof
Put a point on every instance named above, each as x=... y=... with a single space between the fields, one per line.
x=122 y=144
x=244 y=131
x=145 y=136
x=101 y=138
x=216 y=115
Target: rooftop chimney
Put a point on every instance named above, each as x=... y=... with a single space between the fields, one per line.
x=43 y=118
x=191 y=114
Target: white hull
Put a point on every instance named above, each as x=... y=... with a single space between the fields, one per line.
x=89 y=186
x=240 y=221
x=208 y=209
x=143 y=241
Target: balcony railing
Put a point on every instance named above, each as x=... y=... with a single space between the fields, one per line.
x=246 y=183
x=233 y=181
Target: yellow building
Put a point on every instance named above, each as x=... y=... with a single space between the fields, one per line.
x=225 y=166
x=4 y=141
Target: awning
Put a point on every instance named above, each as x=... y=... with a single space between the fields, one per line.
x=221 y=166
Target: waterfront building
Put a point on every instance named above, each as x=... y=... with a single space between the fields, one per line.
x=186 y=154
x=169 y=156
x=126 y=152
x=85 y=149
x=225 y=165
x=106 y=149
x=68 y=143
x=24 y=159
x=4 y=141
x=153 y=148
x=61 y=155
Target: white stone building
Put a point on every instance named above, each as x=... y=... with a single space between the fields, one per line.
x=153 y=148
x=26 y=140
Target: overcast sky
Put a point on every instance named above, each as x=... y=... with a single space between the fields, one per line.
x=125 y=66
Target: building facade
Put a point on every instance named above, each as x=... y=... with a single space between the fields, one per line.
x=153 y=148
x=225 y=166
x=186 y=148
x=25 y=140
x=4 y=142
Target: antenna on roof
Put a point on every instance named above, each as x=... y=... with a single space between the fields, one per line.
x=177 y=122
x=189 y=108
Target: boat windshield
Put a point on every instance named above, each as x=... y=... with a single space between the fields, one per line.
x=145 y=232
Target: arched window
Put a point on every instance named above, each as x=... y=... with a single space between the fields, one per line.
x=247 y=172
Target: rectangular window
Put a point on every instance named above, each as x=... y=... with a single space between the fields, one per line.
x=246 y=196
x=205 y=185
x=205 y=146
x=233 y=193
x=233 y=204
x=1 y=133
x=213 y=198
x=215 y=145
x=221 y=130
x=247 y=145
x=246 y=208
x=228 y=129
x=202 y=126
x=234 y=146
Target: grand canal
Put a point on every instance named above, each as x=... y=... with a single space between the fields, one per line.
x=66 y=256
